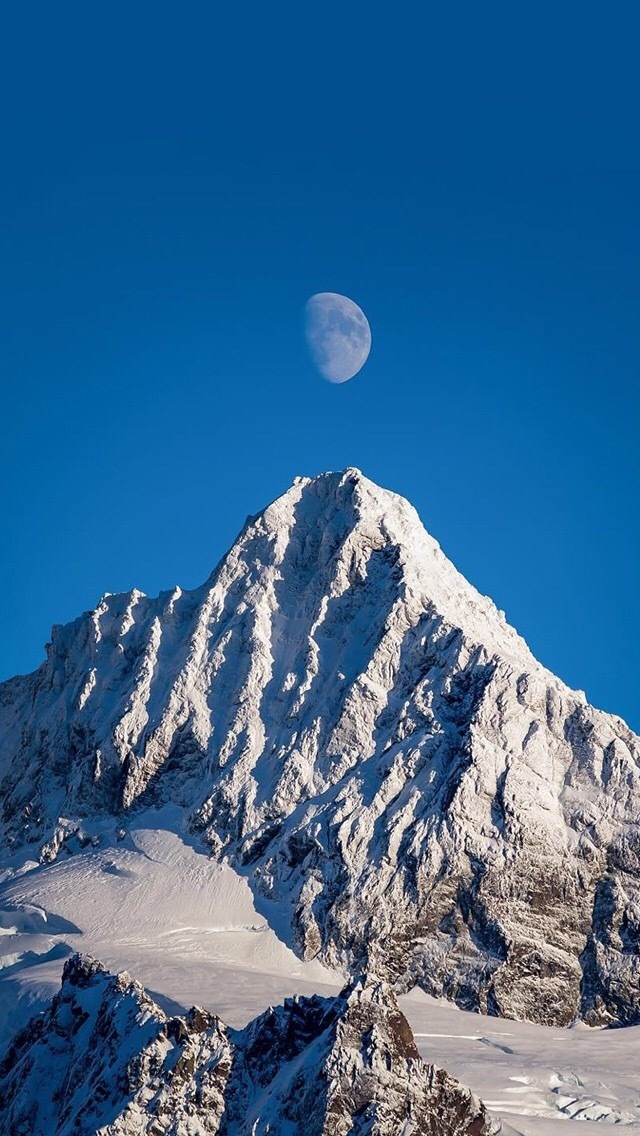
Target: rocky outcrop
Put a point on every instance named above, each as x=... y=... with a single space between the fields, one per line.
x=364 y=736
x=105 y=1059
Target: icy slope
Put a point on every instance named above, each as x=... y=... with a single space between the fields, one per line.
x=185 y=925
x=106 y=1059
x=361 y=733
x=533 y=1078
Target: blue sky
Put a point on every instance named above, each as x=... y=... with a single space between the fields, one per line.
x=177 y=183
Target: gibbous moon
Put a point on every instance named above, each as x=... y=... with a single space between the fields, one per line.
x=338 y=335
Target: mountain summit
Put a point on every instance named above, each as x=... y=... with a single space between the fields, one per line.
x=363 y=735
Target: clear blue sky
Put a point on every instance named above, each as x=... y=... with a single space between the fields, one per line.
x=177 y=180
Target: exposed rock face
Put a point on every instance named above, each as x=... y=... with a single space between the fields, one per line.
x=363 y=735
x=105 y=1059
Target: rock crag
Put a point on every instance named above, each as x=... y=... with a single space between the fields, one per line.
x=104 y=1060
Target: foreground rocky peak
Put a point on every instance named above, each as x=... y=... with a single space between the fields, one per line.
x=364 y=736
x=106 y=1059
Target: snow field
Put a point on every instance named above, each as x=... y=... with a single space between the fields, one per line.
x=187 y=928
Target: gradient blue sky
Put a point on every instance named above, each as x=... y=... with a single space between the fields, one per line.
x=178 y=180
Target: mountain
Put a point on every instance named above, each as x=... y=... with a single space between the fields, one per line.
x=362 y=735
x=105 y=1058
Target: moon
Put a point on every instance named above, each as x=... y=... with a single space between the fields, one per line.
x=338 y=335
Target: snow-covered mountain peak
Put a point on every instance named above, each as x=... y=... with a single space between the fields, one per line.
x=348 y=721
x=337 y=527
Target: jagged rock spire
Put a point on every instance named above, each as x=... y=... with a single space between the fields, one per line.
x=104 y=1057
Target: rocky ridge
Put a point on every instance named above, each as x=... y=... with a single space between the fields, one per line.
x=105 y=1060
x=362 y=734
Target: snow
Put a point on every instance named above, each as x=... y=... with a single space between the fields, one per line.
x=181 y=924
x=186 y=927
x=381 y=770
x=533 y=1077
